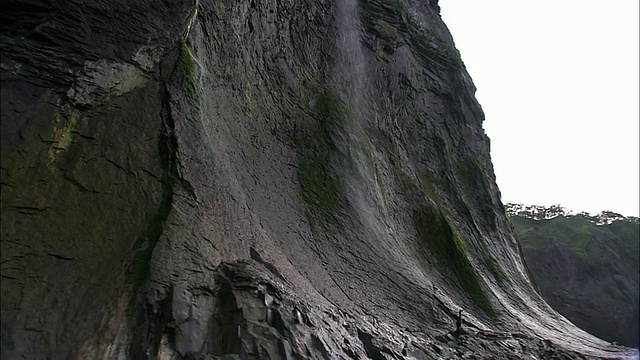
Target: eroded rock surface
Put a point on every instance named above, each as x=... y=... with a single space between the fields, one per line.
x=260 y=179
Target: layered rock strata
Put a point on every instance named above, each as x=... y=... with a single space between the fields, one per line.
x=259 y=179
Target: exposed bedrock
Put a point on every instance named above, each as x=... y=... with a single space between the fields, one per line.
x=259 y=179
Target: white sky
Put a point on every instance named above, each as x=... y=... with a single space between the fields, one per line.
x=558 y=81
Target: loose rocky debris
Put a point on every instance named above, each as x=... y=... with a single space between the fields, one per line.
x=248 y=314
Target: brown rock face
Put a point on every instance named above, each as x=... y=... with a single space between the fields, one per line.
x=260 y=179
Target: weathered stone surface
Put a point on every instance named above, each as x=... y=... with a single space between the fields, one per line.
x=282 y=179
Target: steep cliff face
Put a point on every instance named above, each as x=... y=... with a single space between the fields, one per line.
x=587 y=271
x=270 y=179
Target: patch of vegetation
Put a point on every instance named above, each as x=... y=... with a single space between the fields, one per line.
x=319 y=156
x=385 y=30
x=405 y=182
x=390 y=19
x=329 y=107
x=475 y=184
x=376 y=169
x=363 y=144
x=426 y=184
x=473 y=175
x=537 y=226
x=496 y=270
x=386 y=19
x=311 y=219
x=320 y=188
x=438 y=147
x=628 y=232
x=62 y=137
x=190 y=20
x=573 y=231
x=392 y=12
x=441 y=241
x=192 y=16
x=187 y=67
x=529 y=274
x=531 y=234
x=432 y=47
x=440 y=143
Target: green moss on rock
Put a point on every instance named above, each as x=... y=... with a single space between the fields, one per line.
x=316 y=151
x=441 y=241
x=496 y=270
x=188 y=69
x=390 y=20
x=432 y=47
x=473 y=175
x=329 y=107
x=62 y=135
x=393 y=12
x=426 y=184
x=320 y=189
x=385 y=30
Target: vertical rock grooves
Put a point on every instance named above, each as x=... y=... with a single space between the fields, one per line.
x=254 y=180
x=151 y=322
x=167 y=144
x=147 y=325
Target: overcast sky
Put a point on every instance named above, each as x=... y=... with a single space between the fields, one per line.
x=558 y=82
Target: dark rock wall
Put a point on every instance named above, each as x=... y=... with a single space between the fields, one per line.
x=82 y=167
x=264 y=178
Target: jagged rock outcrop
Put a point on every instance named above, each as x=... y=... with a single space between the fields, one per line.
x=261 y=179
x=586 y=267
